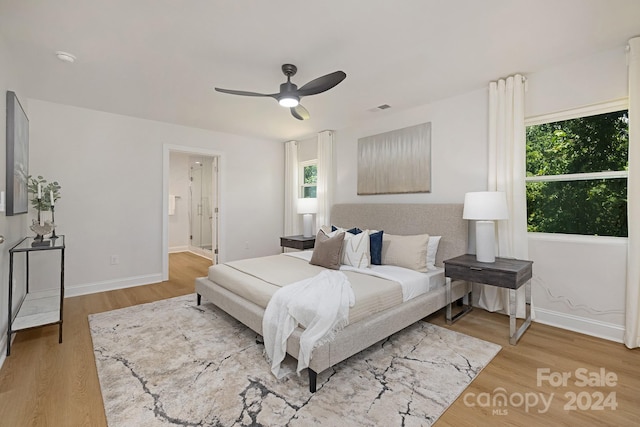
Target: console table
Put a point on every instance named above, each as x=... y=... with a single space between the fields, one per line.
x=36 y=308
x=505 y=273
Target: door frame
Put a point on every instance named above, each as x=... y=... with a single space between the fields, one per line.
x=166 y=154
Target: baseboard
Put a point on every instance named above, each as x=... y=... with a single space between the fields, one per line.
x=583 y=325
x=110 y=285
x=3 y=348
x=174 y=249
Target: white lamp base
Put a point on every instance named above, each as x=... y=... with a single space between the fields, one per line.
x=307 y=225
x=485 y=241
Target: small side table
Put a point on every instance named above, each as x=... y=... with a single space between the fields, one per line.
x=505 y=273
x=36 y=308
x=297 y=242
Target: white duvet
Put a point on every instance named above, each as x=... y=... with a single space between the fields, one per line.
x=413 y=283
x=320 y=304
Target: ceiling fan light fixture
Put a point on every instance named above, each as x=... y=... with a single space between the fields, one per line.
x=289 y=101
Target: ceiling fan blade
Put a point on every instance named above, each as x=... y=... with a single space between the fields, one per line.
x=322 y=84
x=244 y=93
x=299 y=112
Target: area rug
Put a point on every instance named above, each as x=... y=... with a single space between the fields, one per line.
x=173 y=362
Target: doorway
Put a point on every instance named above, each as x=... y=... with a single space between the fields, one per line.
x=192 y=214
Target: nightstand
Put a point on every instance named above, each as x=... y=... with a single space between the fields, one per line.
x=297 y=242
x=505 y=273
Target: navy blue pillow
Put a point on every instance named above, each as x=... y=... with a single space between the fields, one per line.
x=354 y=230
x=375 y=247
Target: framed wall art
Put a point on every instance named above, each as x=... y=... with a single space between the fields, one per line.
x=17 y=157
x=395 y=162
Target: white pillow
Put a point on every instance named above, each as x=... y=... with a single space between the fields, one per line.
x=405 y=251
x=432 y=250
x=355 y=250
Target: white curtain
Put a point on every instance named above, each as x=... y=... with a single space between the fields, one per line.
x=632 y=321
x=325 y=178
x=507 y=171
x=291 y=219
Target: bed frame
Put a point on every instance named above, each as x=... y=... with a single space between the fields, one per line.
x=403 y=219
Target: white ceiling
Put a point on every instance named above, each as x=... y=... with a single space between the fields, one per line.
x=160 y=59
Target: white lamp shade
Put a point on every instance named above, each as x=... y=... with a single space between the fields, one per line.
x=485 y=206
x=307 y=205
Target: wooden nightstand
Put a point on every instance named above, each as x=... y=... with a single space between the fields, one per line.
x=505 y=273
x=297 y=242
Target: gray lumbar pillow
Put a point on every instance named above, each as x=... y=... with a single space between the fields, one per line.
x=327 y=251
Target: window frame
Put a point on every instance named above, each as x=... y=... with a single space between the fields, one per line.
x=302 y=185
x=575 y=113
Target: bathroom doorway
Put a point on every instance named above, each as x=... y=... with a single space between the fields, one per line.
x=192 y=218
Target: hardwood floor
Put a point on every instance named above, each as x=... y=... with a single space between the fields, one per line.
x=44 y=383
x=573 y=402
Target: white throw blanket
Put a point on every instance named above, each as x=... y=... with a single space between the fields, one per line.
x=320 y=304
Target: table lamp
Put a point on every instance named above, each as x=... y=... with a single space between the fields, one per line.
x=307 y=206
x=485 y=207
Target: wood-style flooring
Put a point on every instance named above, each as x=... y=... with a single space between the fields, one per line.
x=44 y=383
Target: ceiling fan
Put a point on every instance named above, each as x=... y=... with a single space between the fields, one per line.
x=289 y=95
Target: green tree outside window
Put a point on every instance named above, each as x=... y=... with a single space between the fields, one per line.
x=583 y=202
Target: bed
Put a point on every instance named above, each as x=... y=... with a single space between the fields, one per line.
x=366 y=328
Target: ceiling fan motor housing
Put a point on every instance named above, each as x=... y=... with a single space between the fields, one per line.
x=289 y=70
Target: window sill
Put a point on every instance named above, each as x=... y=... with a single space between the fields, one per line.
x=577 y=238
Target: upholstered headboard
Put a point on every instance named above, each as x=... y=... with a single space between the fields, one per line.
x=405 y=219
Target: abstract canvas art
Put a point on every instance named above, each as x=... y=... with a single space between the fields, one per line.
x=395 y=162
x=17 y=156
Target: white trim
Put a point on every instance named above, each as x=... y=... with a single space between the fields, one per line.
x=574 y=113
x=166 y=151
x=583 y=325
x=577 y=238
x=192 y=250
x=578 y=176
x=204 y=253
x=110 y=285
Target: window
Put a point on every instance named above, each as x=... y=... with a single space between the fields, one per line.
x=577 y=173
x=308 y=179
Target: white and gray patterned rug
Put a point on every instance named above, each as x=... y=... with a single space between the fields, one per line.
x=172 y=362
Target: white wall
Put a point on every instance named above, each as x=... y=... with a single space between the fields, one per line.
x=578 y=282
x=459 y=127
x=308 y=149
x=11 y=227
x=179 y=187
x=110 y=168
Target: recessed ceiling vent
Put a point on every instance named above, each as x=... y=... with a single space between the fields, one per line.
x=379 y=108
